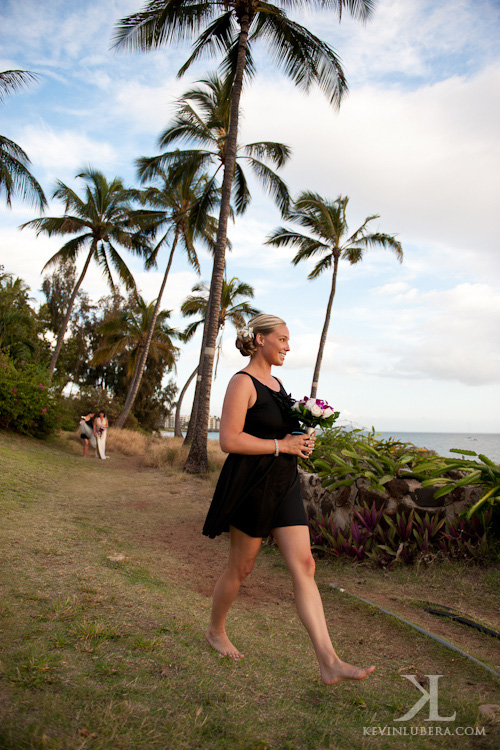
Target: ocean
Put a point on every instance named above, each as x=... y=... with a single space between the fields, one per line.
x=486 y=443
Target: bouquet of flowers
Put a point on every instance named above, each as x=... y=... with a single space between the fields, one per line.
x=101 y=431
x=313 y=412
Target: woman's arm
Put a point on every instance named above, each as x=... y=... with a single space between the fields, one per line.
x=240 y=396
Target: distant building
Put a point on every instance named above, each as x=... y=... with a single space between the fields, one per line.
x=213 y=423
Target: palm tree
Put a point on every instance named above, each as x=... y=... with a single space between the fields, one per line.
x=234 y=308
x=326 y=222
x=231 y=27
x=103 y=218
x=202 y=117
x=15 y=177
x=173 y=202
x=125 y=335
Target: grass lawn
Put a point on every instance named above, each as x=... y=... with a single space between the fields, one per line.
x=105 y=593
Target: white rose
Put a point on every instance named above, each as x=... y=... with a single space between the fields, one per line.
x=296 y=406
x=310 y=404
x=316 y=411
x=328 y=412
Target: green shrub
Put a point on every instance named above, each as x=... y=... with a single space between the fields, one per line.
x=27 y=403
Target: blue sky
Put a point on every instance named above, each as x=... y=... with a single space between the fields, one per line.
x=411 y=346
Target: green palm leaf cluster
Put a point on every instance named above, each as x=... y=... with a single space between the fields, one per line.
x=124 y=337
x=174 y=199
x=202 y=118
x=234 y=308
x=102 y=219
x=15 y=176
x=328 y=240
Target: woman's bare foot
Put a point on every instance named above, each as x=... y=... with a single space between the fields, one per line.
x=339 y=671
x=221 y=643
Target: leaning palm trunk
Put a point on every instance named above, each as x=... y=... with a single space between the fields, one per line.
x=136 y=382
x=196 y=399
x=324 y=333
x=197 y=460
x=177 y=424
x=64 y=325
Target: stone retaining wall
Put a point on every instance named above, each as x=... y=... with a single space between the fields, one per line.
x=400 y=494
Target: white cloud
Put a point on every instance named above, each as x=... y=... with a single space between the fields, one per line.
x=64 y=151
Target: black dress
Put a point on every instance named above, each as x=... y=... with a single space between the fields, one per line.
x=258 y=493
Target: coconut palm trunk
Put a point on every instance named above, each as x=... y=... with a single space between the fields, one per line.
x=136 y=382
x=177 y=423
x=197 y=460
x=324 y=333
x=65 y=323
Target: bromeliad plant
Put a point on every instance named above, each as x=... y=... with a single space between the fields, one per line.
x=375 y=537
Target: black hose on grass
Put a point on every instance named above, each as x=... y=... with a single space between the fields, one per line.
x=455 y=614
x=420 y=630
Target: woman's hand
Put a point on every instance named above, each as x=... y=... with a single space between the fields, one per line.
x=298 y=445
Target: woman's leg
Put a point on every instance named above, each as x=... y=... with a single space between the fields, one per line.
x=242 y=554
x=295 y=546
x=85 y=447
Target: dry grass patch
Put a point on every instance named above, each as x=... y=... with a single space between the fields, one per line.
x=127 y=442
x=171 y=453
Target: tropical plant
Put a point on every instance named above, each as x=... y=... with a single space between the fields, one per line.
x=202 y=117
x=234 y=308
x=27 y=404
x=231 y=28
x=103 y=218
x=376 y=537
x=15 y=176
x=328 y=237
x=124 y=337
x=173 y=201
x=18 y=320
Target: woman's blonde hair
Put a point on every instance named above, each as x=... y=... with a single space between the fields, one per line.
x=264 y=324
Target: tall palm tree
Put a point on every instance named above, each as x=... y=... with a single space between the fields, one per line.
x=234 y=308
x=102 y=218
x=125 y=335
x=173 y=201
x=202 y=118
x=15 y=176
x=329 y=238
x=230 y=27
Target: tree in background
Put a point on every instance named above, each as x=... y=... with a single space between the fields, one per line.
x=123 y=339
x=202 y=118
x=57 y=288
x=102 y=219
x=234 y=307
x=173 y=201
x=16 y=179
x=329 y=238
x=231 y=28
x=19 y=325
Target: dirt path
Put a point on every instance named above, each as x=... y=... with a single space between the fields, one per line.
x=169 y=514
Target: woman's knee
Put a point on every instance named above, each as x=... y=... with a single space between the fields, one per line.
x=304 y=566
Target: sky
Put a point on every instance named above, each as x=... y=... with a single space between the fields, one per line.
x=412 y=346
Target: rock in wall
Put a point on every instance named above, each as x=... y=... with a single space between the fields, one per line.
x=400 y=494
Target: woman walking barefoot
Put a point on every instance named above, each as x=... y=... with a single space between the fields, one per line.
x=258 y=492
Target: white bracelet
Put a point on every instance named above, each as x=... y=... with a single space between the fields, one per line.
x=277 y=451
